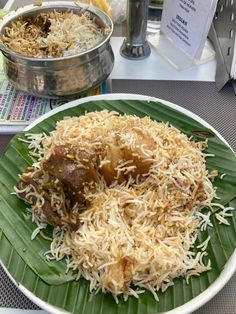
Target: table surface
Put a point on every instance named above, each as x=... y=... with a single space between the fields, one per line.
x=194 y=90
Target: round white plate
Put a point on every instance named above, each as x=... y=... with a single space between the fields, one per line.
x=230 y=266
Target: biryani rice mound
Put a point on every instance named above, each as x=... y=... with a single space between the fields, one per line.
x=53 y=34
x=140 y=217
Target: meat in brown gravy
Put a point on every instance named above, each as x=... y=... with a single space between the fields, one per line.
x=36 y=183
x=74 y=169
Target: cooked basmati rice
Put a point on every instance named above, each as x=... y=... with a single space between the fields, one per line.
x=53 y=34
x=140 y=231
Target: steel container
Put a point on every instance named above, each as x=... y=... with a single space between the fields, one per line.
x=63 y=76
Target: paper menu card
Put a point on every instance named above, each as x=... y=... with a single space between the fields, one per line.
x=187 y=23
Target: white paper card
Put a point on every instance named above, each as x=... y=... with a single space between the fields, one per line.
x=187 y=23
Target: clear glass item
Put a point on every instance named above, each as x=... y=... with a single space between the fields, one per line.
x=154 y=16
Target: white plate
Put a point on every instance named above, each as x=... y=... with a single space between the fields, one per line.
x=230 y=266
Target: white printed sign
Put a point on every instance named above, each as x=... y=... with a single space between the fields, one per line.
x=187 y=23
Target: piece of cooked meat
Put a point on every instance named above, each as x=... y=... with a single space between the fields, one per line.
x=73 y=168
x=117 y=152
x=34 y=183
x=38 y=184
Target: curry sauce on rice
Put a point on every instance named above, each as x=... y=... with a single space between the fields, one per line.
x=124 y=196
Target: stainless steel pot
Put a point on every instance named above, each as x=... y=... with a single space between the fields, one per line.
x=59 y=77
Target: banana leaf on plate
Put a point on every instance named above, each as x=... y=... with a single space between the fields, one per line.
x=25 y=261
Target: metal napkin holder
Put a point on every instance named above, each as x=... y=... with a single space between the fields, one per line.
x=223 y=35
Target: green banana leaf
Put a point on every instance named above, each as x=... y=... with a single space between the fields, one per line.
x=25 y=260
